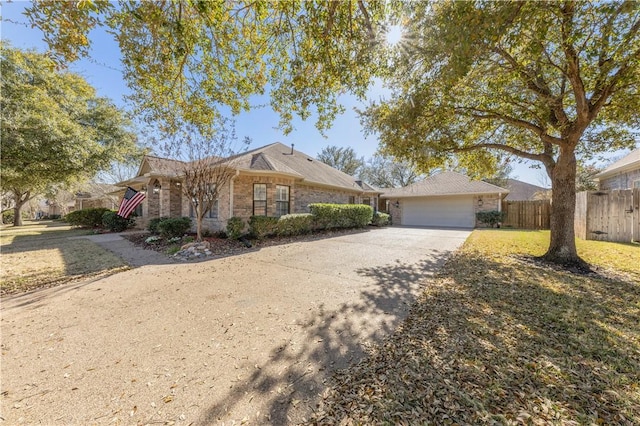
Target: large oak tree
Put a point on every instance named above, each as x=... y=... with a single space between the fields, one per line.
x=545 y=81
x=55 y=130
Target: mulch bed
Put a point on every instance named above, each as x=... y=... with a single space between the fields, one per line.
x=221 y=247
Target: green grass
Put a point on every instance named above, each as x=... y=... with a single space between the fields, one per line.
x=499 y=339
x=40 y=254
x=620 y=257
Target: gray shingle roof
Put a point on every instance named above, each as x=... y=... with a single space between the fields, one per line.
x=445 y=183
x=275 y=157
x=523 y=191
x=278 y=157
x=162 y=166
x=626 y=162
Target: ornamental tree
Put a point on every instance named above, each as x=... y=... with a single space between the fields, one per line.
x=209 y=168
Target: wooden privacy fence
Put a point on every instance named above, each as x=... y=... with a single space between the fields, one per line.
x=608 y=215
x=527 y=214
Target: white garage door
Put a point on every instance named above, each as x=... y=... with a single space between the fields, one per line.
x=439 y=211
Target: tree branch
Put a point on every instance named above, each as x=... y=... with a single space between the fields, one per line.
x=573 y=66
x=507 y=148
x=523 y=124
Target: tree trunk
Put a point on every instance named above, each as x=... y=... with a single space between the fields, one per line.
x=562 y=248
x=20 y=200
x=199 y=218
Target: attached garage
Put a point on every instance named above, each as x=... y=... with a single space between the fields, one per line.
x=447 y=199
x=455 y=211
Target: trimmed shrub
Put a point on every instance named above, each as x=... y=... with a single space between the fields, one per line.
x=235 y=226
x=295 y=224
x=381 y=219
x=87 y=218
x=263 y=226
x=328 y=216
x=7 y=217
x=52 y=217
x=152 y=226
x=174 y=227
x=490 y=218
x=115 y=223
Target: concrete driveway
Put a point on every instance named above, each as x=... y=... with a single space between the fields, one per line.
x=251 y=337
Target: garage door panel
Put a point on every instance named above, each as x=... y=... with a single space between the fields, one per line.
x=439 y=211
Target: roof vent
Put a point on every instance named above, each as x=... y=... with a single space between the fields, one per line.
x=309 y=159
x=292 y=149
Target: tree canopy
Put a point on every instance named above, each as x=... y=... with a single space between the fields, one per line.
x=384 y=171
x=55 y=130
x=344 y=159
x=190 y=61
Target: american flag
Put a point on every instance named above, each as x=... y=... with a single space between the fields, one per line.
x=129 y=202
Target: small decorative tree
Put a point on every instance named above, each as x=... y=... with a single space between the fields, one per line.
x=210 y=167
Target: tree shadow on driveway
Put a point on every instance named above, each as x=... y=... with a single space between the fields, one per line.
x=502 y=343
x=286 y=388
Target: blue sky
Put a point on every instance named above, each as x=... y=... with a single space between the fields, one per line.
x=103 y=72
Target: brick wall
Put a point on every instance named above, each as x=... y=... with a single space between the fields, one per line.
x=490 y=203
x=395 y=212
x=243 y=194
x=152 y=201
x=306 y=194
x=175 y=199
x=212 y=224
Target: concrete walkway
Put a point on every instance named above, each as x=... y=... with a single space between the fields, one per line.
x=129 y=252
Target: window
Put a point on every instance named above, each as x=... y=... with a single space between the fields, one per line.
x=138 y=210
x=352 y=199
x=259 y=199
x=366 y=201
x=282 y=200
x=211 y=214
x=636 y=184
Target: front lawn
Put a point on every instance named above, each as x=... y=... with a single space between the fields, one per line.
x=40 y=254
x=497 y=338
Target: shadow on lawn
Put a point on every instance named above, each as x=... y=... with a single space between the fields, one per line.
x=332 y=339
x=490 y=342
x=44 y=254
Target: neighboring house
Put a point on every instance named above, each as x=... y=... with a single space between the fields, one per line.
x=95 y=195
x=270 y=181
x=523 y=191
x=55 y=208
x=623 y=174
x=448 y=199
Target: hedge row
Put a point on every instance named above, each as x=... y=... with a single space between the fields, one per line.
x=86 y=218
x=491 y=218
x=290 y=224
x=322 y=216
x=99 y=217
x=169 y=227
x=330 y=216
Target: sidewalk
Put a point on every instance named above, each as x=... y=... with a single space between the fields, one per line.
x=133 y=255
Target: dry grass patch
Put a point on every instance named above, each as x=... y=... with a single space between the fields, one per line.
x=496 y=339
x=40 y=254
